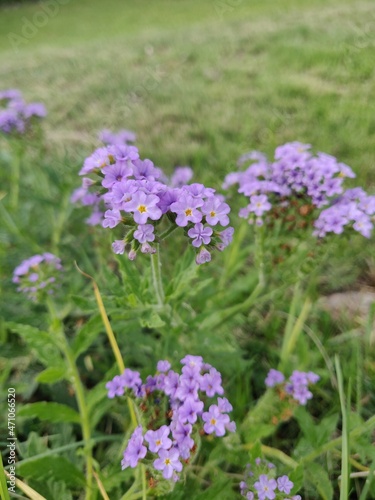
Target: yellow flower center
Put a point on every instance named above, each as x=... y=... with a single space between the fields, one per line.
x=188 y=212
x=212 y=213
x=167 y=461
x=142 y=209
x=213 y=421
x=158 y=442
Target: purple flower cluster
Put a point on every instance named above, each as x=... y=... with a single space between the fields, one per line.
x=38 y=275
x=173 y=409
x=297 y=386
x=261 y=483
x=16 y=115
x=137 y=196
x=354 y=208
x=121 y=138
x=295 y=172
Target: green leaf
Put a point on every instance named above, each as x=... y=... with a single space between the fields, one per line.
x=296 y=476
x=52 y=412
x=42 y=343
x=85 y=304
x=51 y=375
x=59 y=468
x=316 y=475
x=150 y=319
x=3 y=482
x=87 y=335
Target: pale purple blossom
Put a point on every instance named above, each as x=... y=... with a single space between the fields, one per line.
x=144 y=233
x=200 y=235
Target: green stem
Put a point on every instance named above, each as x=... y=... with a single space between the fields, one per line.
x=344 y=489
x=167 y=232
x=259 y=254
x=156 y=276
x=58 y=329
x=112 y=339
x=59 y=223
x=15 y=176
x=291 y=334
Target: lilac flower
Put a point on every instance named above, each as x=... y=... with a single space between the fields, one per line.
x=226 y=237
x=122 y=137
x=265 y=487
x=274 y=377
x=312 y=377
x=38 y=275
x=145 y=170
x=216 y=211
x=135 y=450
x=143 y=206
x=181 y=176
x=201 y=235
x=215 y=421
x=192 y=361
x=100 y=158
x=187 y=389
x=182 y=435
x=158 y=440
x=115 y=387
x=10 y=95
x=144 y=233
x=187 y=210
x=131 y=379
x=190 y=410
x=284 y=484
x=111 y=218
x=146 y=248
x=17 y=116
x=224 y=405
x=171 y=383
x=34 y=109
x=259 y=204
x=211 y=383
x=118 y=247
x=163 y=366
x=203 y=256
x=115 y=173
x=168 y=462
x=167 y=197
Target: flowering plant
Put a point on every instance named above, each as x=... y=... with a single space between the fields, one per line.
x=172 y=409
x=38 y=275
x=138 y=197
x=17 y=116
x=302 y=189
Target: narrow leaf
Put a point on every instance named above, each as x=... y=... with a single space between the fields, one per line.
x=52 y=412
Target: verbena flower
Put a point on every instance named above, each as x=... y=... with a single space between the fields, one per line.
x=297 y=386
x=167 y=439
x=302 y=189
x=17 y=116
x=260 y=482
x=121 y=138
x=38 y=275
x=134 y=194
x=274 y=377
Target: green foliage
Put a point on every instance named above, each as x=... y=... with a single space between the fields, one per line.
x=59 y=468
x=52 y=412
x=200 y=83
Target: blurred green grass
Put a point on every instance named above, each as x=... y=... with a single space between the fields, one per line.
x=201 y=82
